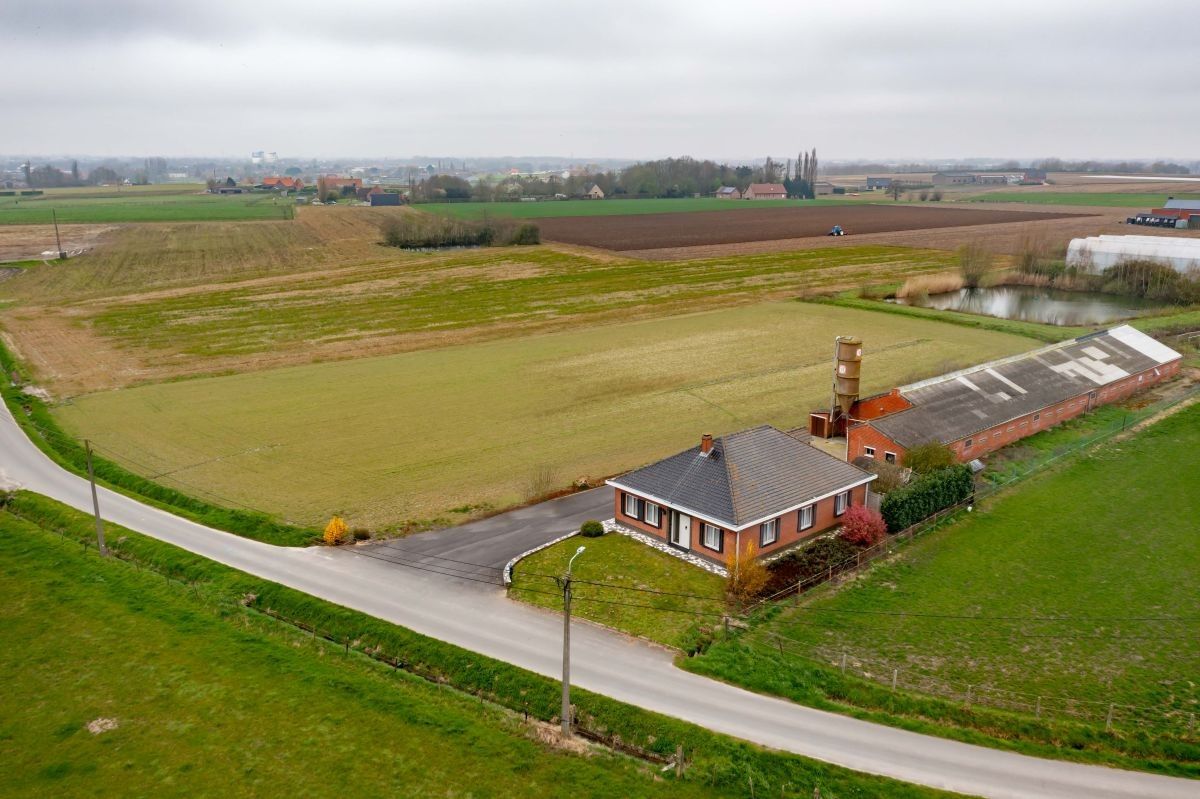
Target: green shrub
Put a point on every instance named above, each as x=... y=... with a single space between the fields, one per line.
x=929 y=457
x=591 y=529
x=361 y=534
x=922 y=498
x=527 y=233
x=800 y=564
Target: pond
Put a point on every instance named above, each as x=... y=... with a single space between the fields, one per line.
x=1032 y=304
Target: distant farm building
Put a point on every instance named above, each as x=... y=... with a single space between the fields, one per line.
x=728 y=193
x=952 y=178
x=878 y=183
x=824 y=187
x=765 y=191
x=338 y=183
x=284 y=183
x=984 y=178
x=980 y=409
x=594 y=192
x=384 y=198
x=1097 y=253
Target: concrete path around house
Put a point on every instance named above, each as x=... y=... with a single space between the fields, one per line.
x=479 y=617
x=484 y=547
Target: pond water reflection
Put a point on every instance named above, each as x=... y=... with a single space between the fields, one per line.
x=1032 y=304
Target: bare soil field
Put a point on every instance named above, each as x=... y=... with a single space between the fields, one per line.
x=28 y=242
x=659 y=231
x=1057 y=229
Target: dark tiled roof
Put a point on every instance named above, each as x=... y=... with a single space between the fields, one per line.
x=959 y=404
x=750 y=475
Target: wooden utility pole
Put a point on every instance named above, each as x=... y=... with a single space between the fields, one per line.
x=87 y=445
x=57 y=238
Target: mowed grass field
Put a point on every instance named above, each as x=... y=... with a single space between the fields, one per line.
x=208 y=700
x=177 y=203
x=615 y=207
x=1084 y=581
x=1096 y=198
x=406 y=438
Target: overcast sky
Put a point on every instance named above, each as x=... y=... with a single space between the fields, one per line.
x=860 y=79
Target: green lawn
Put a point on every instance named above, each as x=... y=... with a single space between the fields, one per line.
x=405 y=438
x=1097 y=551
x=1104 y=199
x=185 y=203
x=618 y=560
x=615 y=207
x=213 y=698
x=212 y=702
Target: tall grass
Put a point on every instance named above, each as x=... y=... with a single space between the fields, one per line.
x=425 y=231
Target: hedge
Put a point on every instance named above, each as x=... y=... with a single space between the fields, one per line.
x=34 y=417
x=925 y=496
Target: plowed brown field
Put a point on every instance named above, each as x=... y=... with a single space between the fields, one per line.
x=655 y=231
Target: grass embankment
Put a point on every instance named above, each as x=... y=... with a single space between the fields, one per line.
x=401 y=439
x=211 y=697
x=1103 y=199
x=617 y=569
x=170 y=204
x=616 y=207
x=35 y=419
x=1080 y=584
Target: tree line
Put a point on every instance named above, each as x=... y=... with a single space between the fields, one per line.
x=51 y=177
x=663 y=178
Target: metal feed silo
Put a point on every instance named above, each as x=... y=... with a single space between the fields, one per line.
x=847 y=366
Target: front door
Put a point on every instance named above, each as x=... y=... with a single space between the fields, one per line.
x=681 y=529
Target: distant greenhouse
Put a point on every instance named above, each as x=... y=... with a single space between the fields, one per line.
x=1096 y=253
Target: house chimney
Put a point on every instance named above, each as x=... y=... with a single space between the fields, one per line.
x=705 y=444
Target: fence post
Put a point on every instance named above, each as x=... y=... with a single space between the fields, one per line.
x=1038 y=711
x=830 y=578
x=968 y=694
x=779 y=643
x=844 y=663
x=895 y=674
x=679 y=761
x=1108 y=720
x=1191 y=722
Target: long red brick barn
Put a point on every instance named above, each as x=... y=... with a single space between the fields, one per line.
x=978 y=410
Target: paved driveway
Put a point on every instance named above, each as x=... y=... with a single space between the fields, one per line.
x=479 y=550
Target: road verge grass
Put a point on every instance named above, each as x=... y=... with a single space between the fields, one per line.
x=714 y=760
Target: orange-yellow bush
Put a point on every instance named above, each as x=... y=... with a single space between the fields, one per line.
x=335 y=531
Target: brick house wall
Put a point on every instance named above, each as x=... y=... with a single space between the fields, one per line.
x=789 y=534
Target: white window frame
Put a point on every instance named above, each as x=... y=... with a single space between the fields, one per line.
x=631 y=498
x=657 y=513
x=773 y=526
x=840 y=503
x=869 y=451
x=717 y=533
x=807 y=510
x=890 y=457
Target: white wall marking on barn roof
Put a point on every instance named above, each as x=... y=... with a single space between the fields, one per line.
x=1006 y=381
x=969 y=384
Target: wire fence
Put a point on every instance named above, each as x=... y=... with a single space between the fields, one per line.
x=1111 y=714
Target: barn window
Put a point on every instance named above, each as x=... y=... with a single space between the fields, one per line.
x=631 y=506
x=890 y=457
x=1037 y=416
x=805 y=517
x=768 y=532
x=840 y=502
x=869 y=452
x=967 y=444
x=653 y=514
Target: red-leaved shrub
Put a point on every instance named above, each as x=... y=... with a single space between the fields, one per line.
x=862 y=526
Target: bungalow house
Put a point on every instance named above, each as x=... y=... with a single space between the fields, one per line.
x=765 y=191
x=285 y=183
x=594 y=192
x=728 y=193
x=760 y=486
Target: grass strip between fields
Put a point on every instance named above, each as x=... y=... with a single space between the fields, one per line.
x=714 y=760
x=35 y=419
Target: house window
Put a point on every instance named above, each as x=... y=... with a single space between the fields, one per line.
x=840 y=502
x=869 y=452
x=653 y=514
x=1037 y=417
x=890 y=457
x=631 y=506
x=967 y=444
x=806 y=517
x=713 y=539
x=768 y=532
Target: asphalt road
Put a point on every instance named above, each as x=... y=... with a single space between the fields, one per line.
x=480 y=618
x=493 y=542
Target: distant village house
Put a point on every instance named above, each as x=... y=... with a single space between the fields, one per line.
x=765 y=191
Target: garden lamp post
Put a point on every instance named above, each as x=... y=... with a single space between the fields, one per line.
x=566 y=663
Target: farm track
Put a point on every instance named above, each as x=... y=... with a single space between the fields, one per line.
x=658 y=231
